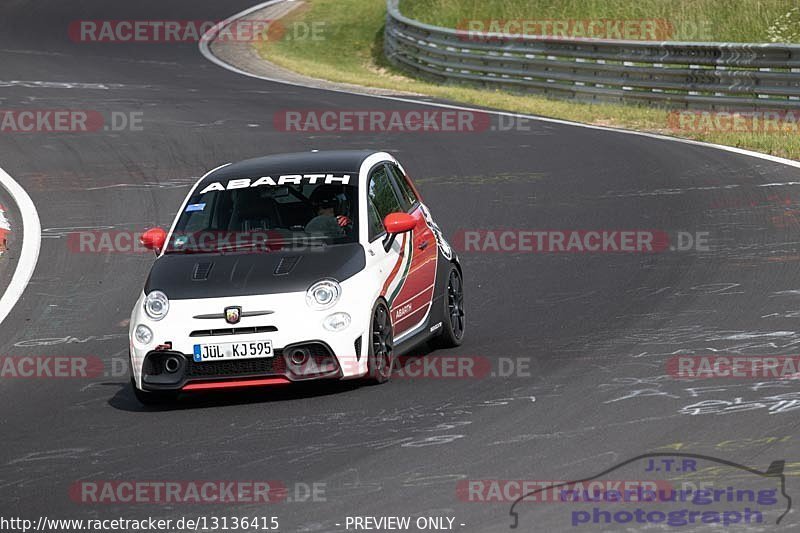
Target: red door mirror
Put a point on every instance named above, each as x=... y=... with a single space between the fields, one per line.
x=153 y=239
x=399 y=223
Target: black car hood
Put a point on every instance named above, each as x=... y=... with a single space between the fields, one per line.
x=186 y=276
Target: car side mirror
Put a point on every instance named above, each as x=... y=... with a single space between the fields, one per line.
x=154 y=239
x=399 y=222
x=396 y=223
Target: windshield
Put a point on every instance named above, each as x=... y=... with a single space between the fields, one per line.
x=265 y=218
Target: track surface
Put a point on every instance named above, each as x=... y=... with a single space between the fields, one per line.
x=590 y=324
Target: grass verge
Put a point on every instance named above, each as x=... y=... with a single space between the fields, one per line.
x=750 y=21
x=349 y=49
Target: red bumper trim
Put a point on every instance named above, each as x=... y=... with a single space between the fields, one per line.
x=233 y=384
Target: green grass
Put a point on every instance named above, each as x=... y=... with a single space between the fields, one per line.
x=701 y=20
x=350 y=50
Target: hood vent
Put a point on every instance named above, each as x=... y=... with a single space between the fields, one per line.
x=286 y=265
x=201 y=271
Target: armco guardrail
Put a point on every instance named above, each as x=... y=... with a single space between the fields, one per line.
x=704 y=75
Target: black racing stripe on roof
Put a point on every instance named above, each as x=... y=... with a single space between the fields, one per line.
x=296 y=163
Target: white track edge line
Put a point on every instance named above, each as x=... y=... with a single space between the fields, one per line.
x=31 y=243
x=204 y=49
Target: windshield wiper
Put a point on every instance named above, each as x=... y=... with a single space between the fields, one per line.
x=235 y=247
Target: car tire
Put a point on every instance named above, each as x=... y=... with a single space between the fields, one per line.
x=153 y=398
x=380 y=358
x=453 y=324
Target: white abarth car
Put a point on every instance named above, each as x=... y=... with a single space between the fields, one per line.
x=288 y=268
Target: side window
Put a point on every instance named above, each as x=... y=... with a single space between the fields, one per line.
x=382 y=198
x=409 y=198
x=375 y=223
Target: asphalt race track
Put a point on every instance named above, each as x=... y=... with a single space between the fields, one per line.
x=595 y=330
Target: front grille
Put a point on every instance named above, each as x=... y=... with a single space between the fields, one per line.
x=245 y=367
x=232 y=331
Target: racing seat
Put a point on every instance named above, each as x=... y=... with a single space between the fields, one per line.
x=254 y=213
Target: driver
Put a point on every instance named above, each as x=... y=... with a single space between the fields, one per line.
x=325 y=200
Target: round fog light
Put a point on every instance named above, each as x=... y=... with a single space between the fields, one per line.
x=336 y=321
x=143 y=334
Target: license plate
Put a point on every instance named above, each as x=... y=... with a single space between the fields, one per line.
x=227 y=351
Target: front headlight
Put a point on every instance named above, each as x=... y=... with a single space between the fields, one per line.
x=156 y=305
x=323 y=294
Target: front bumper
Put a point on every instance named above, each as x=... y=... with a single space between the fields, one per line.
x=167 y=369
x=289 y=323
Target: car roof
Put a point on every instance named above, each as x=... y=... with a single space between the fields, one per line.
x=294 y=163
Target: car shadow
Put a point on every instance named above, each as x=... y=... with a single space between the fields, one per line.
x=124 y=399
x=415 y=354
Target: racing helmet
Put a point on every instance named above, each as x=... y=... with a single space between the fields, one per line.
x=331 y=196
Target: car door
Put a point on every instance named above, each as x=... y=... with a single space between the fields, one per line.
x=410 y=304
x=393 y=264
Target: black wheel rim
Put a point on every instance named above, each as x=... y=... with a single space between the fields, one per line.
x=382 y=343
x=455 y=304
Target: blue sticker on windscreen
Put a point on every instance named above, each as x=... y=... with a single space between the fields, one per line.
x=195 y=207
